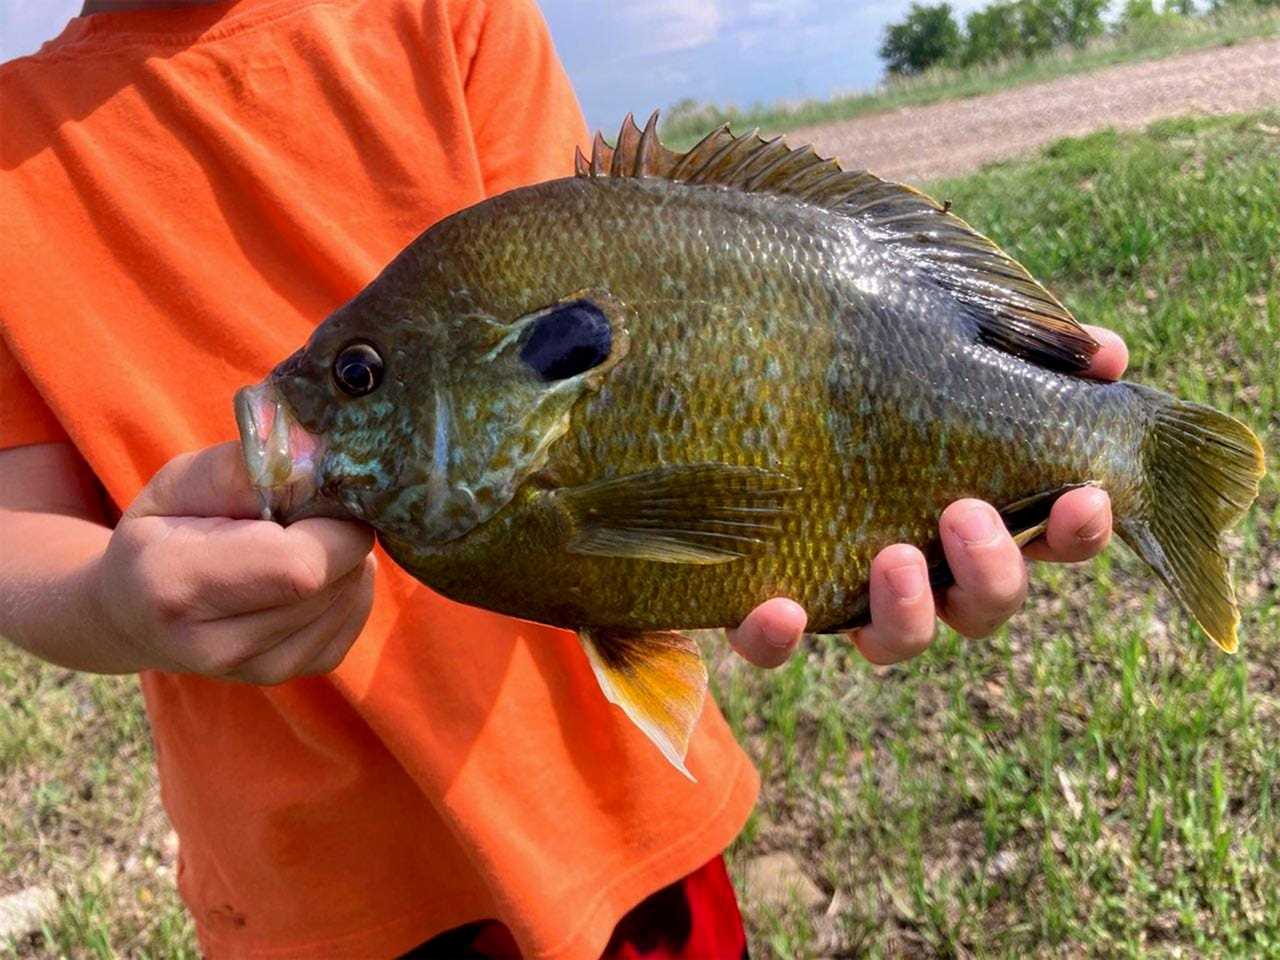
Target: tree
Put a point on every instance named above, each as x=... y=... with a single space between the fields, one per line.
x=928 y=36
x=992 y=33
x=1079 y=21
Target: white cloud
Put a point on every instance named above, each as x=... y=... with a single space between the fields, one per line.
x=662 y=26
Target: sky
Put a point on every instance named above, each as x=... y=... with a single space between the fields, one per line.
x=641 y=55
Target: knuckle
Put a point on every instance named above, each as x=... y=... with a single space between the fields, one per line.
x=171 y=597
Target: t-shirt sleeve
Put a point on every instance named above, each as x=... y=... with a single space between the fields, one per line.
x=524 y=114
x=24 y=416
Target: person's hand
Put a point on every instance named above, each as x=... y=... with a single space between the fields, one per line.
x=990 y=575
x=192 y=582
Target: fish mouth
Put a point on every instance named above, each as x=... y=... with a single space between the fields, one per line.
x=281 y=456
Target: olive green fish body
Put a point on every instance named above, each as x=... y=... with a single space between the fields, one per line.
x=653 y=395
x=878 y=405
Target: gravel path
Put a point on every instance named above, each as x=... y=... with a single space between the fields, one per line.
x=920 y=143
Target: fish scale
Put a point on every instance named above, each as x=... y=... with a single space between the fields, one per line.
x=651 y=396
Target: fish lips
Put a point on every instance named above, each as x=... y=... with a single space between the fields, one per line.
x=282 y=456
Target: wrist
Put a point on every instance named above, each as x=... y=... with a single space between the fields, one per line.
x=113 y=646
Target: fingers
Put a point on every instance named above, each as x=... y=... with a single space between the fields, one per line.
x=990 y=575
x=234 y=567
x=211 y=482
x=902 y=611
x=770 y=632
x=236 y=639
x=1079 y=527
x=1108 y=363
x=328 y=548
x=319 y=646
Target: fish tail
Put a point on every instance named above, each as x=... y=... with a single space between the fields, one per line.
x=1201 y=471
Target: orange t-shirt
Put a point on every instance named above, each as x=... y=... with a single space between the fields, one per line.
x=184 y=194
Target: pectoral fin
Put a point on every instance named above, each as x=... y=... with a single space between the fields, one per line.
x=696 y=513
x=659 y=681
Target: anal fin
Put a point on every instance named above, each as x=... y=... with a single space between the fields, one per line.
x=1028 y=518
x=659 y=681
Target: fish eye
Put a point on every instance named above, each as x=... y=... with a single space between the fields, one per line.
x=358 y=369
x=567 y=340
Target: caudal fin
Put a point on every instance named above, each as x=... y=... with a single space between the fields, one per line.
x=1201 y=473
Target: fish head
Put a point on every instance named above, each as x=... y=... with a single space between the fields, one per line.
x=422 y=416
x=319 y=433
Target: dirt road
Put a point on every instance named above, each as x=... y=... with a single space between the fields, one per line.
x=920 y=143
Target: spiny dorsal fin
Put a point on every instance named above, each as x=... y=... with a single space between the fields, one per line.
x=1010 y=309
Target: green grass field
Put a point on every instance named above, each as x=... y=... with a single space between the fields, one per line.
x=686 y=123
x=1095 y=780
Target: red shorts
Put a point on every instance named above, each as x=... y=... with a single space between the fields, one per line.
x=696 y=917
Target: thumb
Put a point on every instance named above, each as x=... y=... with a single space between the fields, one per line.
x=212 y=482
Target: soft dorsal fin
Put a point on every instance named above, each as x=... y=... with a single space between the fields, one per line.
x=1011 y=310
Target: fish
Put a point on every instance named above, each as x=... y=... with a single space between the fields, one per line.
x=642 y=399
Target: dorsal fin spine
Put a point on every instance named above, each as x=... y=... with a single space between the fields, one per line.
x=763 y=173
x=767 y=157
x=693 y=176
x=625 y=148
x=792 y=185
x=813 y=191
x=599 y=150
x=737 y=173
x=645 y=149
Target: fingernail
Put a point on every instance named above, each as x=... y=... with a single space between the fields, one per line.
x=975 y=527
x=1094 y=528
x=907 y=582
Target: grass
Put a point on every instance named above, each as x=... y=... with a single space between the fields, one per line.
x=687 y=122
x=80 y=812
x=1095 y=780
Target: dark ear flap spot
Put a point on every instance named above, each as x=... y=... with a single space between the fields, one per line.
x=569 y=339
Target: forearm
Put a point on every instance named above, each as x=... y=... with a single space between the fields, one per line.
x=49 y=602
